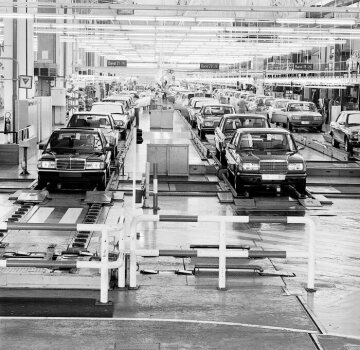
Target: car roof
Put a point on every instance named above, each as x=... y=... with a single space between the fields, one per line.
x=88 y=130
x=108 y=104
x=91 y=113
x=219 y=105
x=246 y=115
x=265 y=130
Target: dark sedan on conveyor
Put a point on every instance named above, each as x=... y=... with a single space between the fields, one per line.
x=257 y=157
x=75 y=155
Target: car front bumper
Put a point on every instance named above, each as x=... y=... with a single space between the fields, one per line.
x=54 y=175
x=255 y=179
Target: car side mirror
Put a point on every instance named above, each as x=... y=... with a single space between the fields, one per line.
x=108 y=148
x=283 y=109
x=300 y=148
x=341 y=123
x=42 y=146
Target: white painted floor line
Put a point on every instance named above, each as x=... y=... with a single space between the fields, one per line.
x=236 y=324
x=71 y=216
x=41 y=215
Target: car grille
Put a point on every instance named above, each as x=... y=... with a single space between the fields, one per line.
x=308 y=118
x=273 y=167
x=70 y=163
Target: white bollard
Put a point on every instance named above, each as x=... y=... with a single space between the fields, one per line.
x=104 y=277
x=222 y=256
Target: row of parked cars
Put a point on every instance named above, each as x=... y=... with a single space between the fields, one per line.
x=253 y=152
x=83 y=150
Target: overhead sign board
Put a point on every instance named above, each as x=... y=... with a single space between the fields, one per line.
x=25 y=81
x=209 y=66
x=303 y=66
x=116 y=63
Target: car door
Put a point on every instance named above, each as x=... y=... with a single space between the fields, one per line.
x=339 y=127
x=231 y=154
x=219 y=136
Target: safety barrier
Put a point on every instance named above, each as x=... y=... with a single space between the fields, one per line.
x=222 y=252
x=104 y=265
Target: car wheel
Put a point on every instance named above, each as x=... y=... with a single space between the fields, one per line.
x=102 y=183
x=41 y=183
x=123 y=134
x=202 y=135
x=319 y=128
x=301 y=187
x=348 y=147
x=217 y=154
x=239 y=187
x=334 y=142
x=289 y=126
x=223 y=159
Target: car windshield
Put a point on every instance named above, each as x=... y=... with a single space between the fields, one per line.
x=199 y=104
x=266 y=142
x=233 y=124
x=280 y=104
x=90 y=121
x=218 y=110
x=269 y=102
x=107 y=108
x=354 y=119
x=302 y=107
x=74 y=142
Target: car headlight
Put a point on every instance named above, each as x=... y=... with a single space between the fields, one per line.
x=296 y=117
x=251 y=166
x=355 y=135
x=94 y=165
x=47 y=164
x=209 y=123
x=317 y=118
x=296 y=166
x=119 y=122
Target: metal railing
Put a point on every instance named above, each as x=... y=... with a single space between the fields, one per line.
x=222 y=253
x=104 y=264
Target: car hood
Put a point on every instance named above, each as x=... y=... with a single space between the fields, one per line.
x=275 y=156
x=300 y=113
x=83 y=156
x=354 y=128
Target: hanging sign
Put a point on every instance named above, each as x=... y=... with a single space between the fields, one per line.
x=303 y=66
x=25 y=81
x=116 y=63
x=210 y=66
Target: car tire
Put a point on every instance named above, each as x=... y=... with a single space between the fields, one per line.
x=289 y=126
x=217 y=154
x=334 y=142
x=123 y=134
x=223 y=159
x=319 y=128
x=239 y=187
x=41 y=183
x=301 y=186
x=202 y=134
x=102 y=184
x=230 y=177
x=347 y=145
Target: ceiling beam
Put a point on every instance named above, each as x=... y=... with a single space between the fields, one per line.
x=189 y=8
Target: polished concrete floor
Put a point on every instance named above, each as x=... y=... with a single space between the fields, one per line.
x=171 y=311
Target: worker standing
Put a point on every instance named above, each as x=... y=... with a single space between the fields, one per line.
x=242 y=108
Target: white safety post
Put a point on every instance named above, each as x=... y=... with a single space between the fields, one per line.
x=104 y=272
x=132 y=268
x=147 y=183
x=222 y=256
x=134 y=170
x=122 y=268
x=310 y=227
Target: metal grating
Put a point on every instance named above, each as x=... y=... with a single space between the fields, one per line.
x=70 y=163
x=271 y=167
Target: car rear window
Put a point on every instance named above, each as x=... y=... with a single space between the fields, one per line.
x=233 y=124
x=91 y=121
x=354 y=119
x=265 y=142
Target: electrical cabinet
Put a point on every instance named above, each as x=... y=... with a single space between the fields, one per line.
x=172 y=159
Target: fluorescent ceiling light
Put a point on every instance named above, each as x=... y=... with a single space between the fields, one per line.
x=319 y=21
